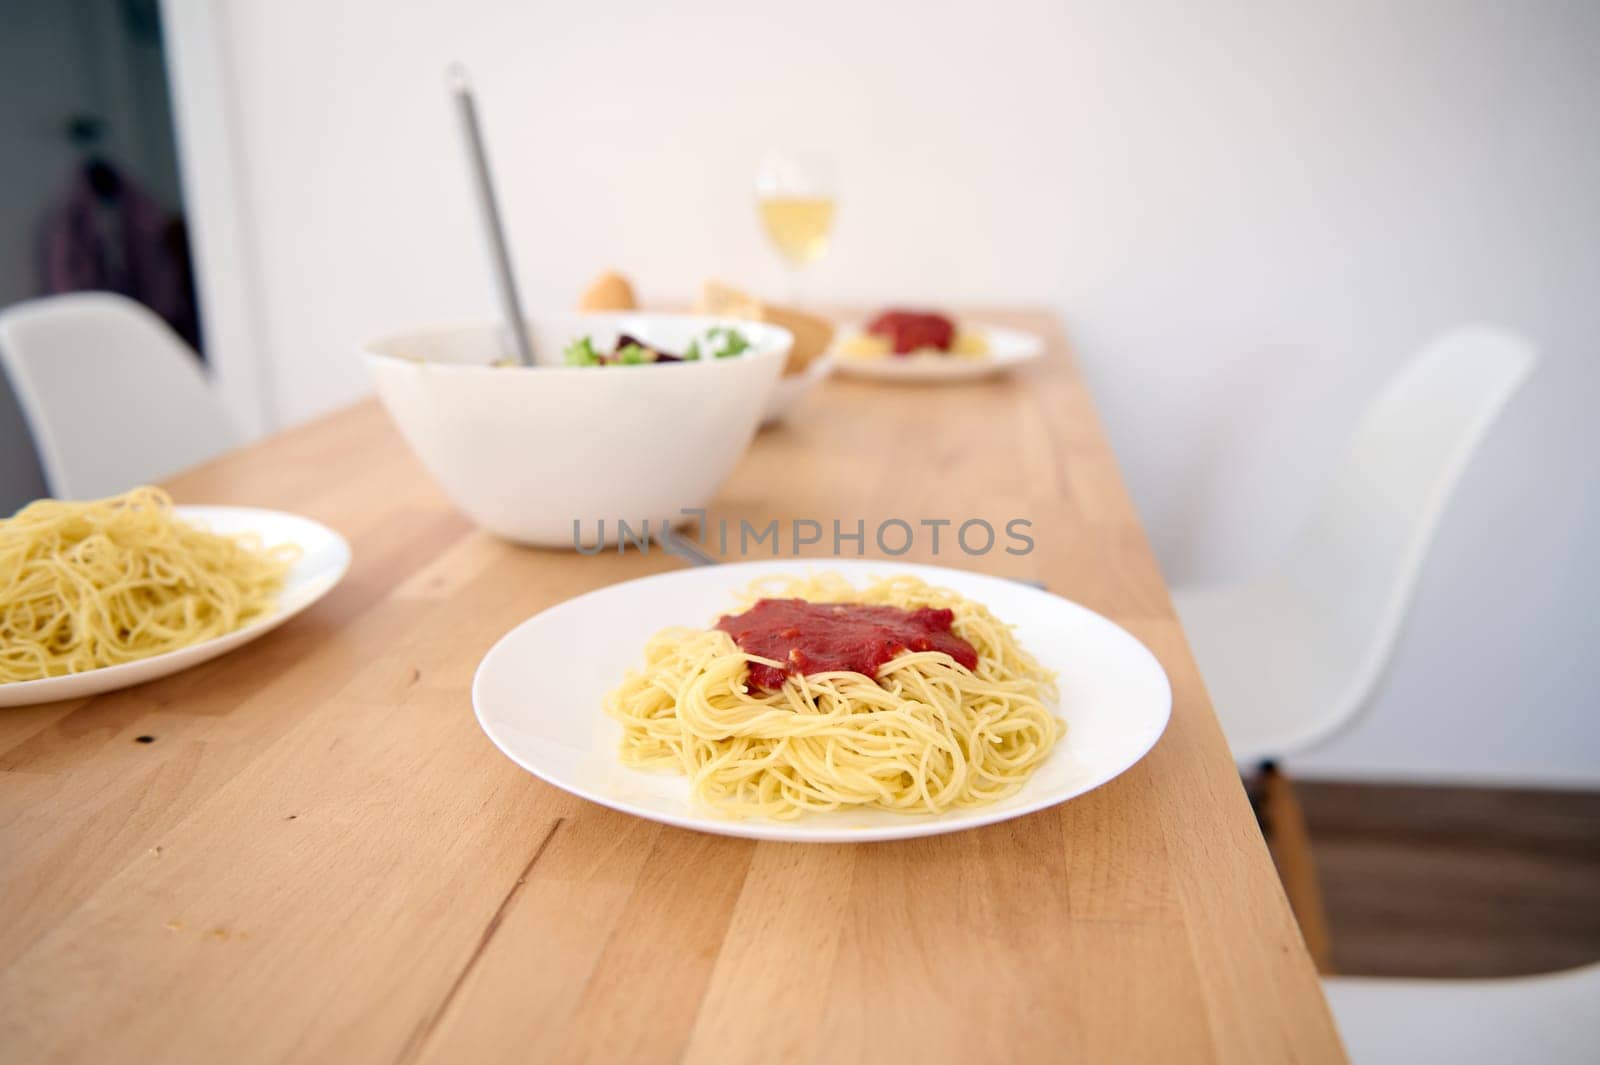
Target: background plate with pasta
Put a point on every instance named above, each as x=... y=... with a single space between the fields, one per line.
x=1007 y=350
x=323 y=558
x=539 y=695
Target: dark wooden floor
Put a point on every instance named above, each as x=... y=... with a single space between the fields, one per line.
x=1436 y=881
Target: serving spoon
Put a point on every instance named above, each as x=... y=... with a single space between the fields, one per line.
x=494 y=235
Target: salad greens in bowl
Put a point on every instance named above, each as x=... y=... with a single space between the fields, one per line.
x=719 y=342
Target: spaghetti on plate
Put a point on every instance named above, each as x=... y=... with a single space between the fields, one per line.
x=94 y=584
x=821 y=696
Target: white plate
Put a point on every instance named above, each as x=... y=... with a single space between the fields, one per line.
x=324 y=558
x=538 y=695
x=792 y=388
x=1008 y=349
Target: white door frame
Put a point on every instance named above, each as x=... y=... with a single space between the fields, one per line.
x=221 y=236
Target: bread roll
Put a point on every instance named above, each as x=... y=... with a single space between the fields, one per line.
x=608 y=292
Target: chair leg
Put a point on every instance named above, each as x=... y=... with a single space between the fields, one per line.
x=1290 y=843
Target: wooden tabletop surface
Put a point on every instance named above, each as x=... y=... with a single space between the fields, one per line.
x=307 y=850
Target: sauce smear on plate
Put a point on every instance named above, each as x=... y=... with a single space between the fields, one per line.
x=833 y=637
x=909 y=331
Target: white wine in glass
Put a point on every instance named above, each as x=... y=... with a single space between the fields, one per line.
x=798 y=225
x=795 y=195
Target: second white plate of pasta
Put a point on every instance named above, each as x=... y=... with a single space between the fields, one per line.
x=822 y=701
x=1002 y=350
x=158 y=584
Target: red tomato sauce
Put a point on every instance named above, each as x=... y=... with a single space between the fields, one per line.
x=909 y=331
x=830 y=637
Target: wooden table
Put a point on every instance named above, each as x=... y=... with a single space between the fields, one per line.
x=308 y=851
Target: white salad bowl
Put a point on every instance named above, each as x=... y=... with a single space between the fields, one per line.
x=792 y=388
x=544 y=454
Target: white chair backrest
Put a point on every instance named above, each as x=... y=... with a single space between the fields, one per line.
x=1552 y=1019
x=114 y=397
x=1356 y=563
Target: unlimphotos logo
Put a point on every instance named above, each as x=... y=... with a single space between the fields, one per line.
x=974 y=537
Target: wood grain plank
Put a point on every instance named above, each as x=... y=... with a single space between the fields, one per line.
x=321 y=857
x=789 y=919
x=660 y=955
x=514 y=1004
x=1452 y=882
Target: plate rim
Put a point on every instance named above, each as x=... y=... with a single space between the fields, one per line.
x=916 y=825
x=16 y=695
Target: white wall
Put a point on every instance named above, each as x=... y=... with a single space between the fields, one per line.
x=1247 y=217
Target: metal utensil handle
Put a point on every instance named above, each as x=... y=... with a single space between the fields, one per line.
x=489 y=214
x=684 y=548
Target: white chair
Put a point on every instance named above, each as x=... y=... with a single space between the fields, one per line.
x=1552 y=1019
x=1291 y=656
x=113 y=397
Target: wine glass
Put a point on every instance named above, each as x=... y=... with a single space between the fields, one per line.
x=794 y=191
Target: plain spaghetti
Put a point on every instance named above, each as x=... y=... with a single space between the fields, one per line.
x=86 y=585
x=778 y=736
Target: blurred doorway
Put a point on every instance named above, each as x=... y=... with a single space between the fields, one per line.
x=92 y=193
